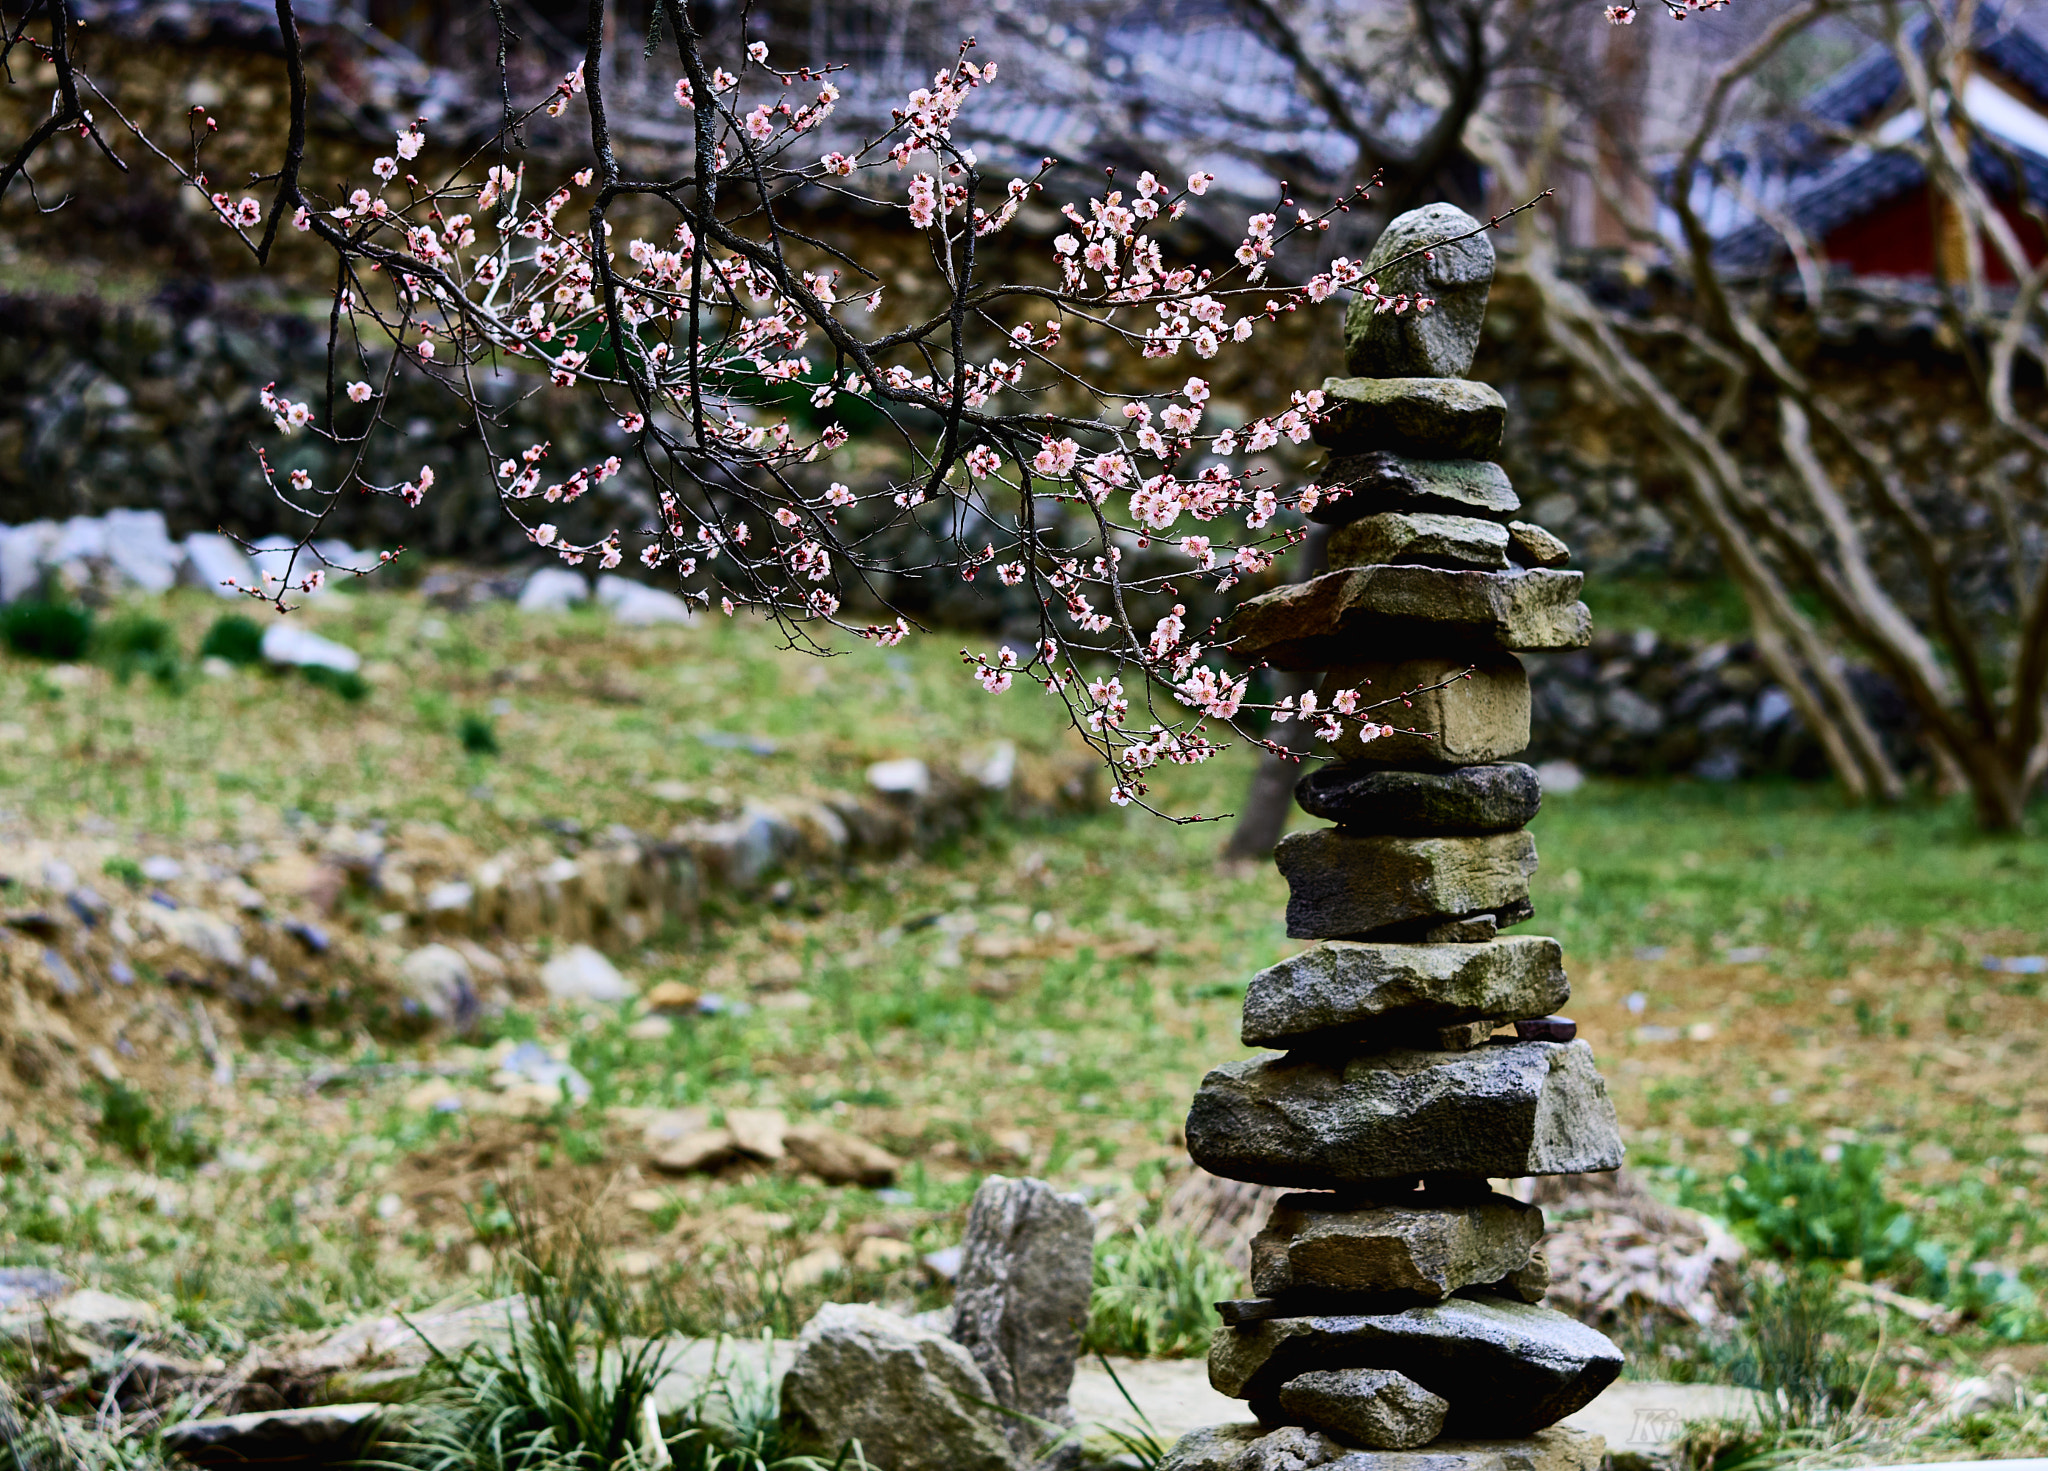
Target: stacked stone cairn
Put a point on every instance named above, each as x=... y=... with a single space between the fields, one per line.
x=1397 y=1296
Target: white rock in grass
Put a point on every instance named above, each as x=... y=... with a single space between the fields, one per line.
x=553 y=590
x=212 y=561
x=22 y=550
x=582 y=974
x=904 y=777
x=436 y=982
x=140 y=547
x=637 y=605
x=287 y=643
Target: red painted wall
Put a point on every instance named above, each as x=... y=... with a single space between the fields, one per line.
x=1897 y=239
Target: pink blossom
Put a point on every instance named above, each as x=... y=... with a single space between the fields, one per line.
x=545 y=534
x=385 y=169
x=1056 y=458
x=1198 y=183
x=684 y=96
x=301 y=480
x=838 y=495
x=359 y=392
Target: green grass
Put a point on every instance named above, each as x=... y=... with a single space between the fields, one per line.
x=1709 y=867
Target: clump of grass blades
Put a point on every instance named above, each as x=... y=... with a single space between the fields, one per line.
x=568 y=1390
x=1155 y=1294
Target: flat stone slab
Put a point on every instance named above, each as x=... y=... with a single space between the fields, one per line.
x=1507 y=1368
x=1351 y=615
x=1380 y=480
x=1469 y=799
x=1443 y=418
x=1316 y=1122
x=1379 y=1408
x=319 y=1434
x=1315 y=1242
x=1351 y=990
x=1246 y=1447
x=1422 y=539
x=1448 y=259
x=1342 y=885
x=1461 y=712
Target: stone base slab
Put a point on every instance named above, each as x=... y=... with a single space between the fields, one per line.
x=1257 y=1448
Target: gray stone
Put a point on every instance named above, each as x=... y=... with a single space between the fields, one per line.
x=1355 y=613
x=1344 y=989
x=1292 y=1448
x=320 y=1434
x=1441 y=418
x=288 y=643
x=1451 y=712
x=1253 y=1448
x=1532 y=546
x=912 y=1397
x=1421 y=539
x=20 y=1286
x=1547 y=1029
x=1380 y=480
x=1331 y=1123
x=435 y=982
x=637 y=605
x=1507 y=1368
x=553 y=590
x=1456 y=273
x=140 y=548
x=1379 y=1409
x=212 y=561
x=581 y=974
x=22 y=552
x=1027 y=1266
x=1342 y=885
x=1470 y=799
x=1318 y=1242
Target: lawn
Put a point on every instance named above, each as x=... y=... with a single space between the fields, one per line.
x=1758 y=967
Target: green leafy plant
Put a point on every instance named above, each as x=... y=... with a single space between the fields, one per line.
x=1798 y=1207
x=139 y=643
x=478 y=734
x=1154 y=1295
x=235 y=637
x=58 y=632
x=127 y=870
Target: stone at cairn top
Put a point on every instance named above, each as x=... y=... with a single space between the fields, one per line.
x=1456 y=274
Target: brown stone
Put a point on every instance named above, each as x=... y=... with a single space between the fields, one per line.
x=1528 y=1282
x=1318 y=1243
x=1343 y=886
x=1448 y=418
x=1531 y=546
x=1547 y=1029
x=1347 y=616
x=841 y=1159
x=1422 y=539
x=1474 y=929
x=1464 y=1036
x=1456 y=712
